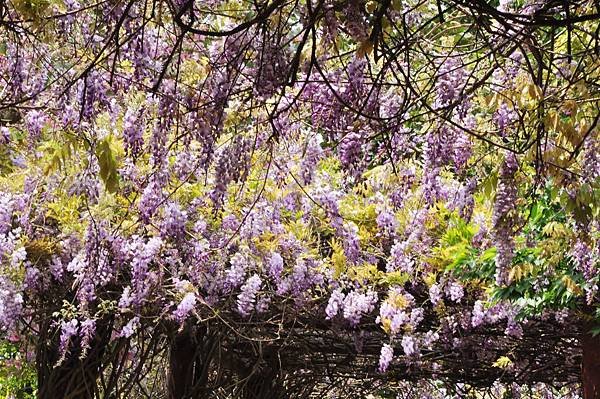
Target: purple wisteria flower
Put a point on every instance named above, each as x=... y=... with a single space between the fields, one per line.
x=356 y=305
x=435 y=294
x=247 y=297
x=68 y=330
x=410 y=346
x=335 y=304
x=130 y=328
x=400 y=259
x=184 y=307
x=385 y=358
x=454 y=291
x=87 y=331
x=11 y=304
x=478 y=314
x=275 y=266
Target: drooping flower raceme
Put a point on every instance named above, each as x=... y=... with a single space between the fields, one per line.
x=68 y=330
x=133 y=131
x=11 y=304
x=435 y=294
x=356 y=305
x=87 y=332
x=454 y=291
x=336 y=301
x=478 y=314
x=385 y=358
x=409 y=345
x=247 y=297
x=184 y=307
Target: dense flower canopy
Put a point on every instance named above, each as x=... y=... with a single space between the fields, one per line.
x=413 y=184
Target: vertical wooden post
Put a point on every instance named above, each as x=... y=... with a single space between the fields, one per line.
x=590 y=365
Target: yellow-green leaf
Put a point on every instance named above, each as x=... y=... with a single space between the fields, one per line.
x=108 y=165
x=502 y=362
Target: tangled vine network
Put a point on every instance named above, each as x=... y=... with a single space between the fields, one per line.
x=300 y=198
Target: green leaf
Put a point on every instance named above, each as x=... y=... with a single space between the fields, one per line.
x=488 y=255
x=108 y=164
x=595 y=331
x=396 y=278
x=489 y=185
x=536 y=212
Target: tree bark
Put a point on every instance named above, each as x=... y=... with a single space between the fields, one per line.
x=590 y=366
x=183 y=366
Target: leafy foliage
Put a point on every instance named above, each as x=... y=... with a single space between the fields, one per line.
x=270 y=180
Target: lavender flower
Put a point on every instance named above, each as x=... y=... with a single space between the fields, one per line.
x=462 y=150
x=68 y=330
x=591 y=161
x=11 y=304
x=174 y=221
x=4 y=135
x=275 y=266
x=150 y=200
x=335 y=304
x=505 y=117
x=416 y=317
x=409 y=345
x=312 y=154
x=513 y=328
x=7 y=206
x=355 y=21
x=435 y=294
x=87 y=331
x=272 y=70
x=236 y=273
x=357 y=304
x=126 y=298
x=478 y=314
x=386 y=221
x=130 y=328
x=455 y=291
x=184 y=308
x=35 y=122
x=247 y=298
x=231 y=167
x=465 y=202
x=451 y=78
x=133 y=131
x=430 y=338
x=385 y=358
x=399 y=258
x=399 y=320
x=350 y=149
x=143 y=254
x=582 y=255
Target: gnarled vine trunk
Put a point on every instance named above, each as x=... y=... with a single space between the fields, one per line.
x=199 y=364
x=189 y=361
x=74 y=378
x=260 y=375
x=264 y=384
x=182 y=362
